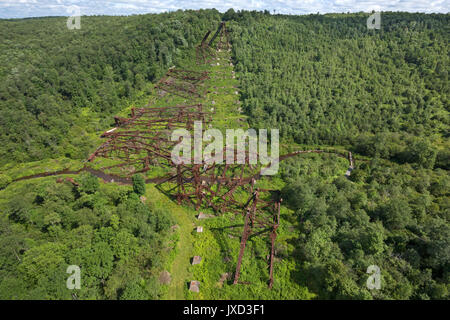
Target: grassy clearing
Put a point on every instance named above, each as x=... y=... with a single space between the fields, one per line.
x=179 y=261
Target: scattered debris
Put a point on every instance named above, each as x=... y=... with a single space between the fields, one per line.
x=224 y=277
x=199 y=229
x=164 y=277
x=72 y=182
x=196 y=260
x=202 y=215
x=194 y=286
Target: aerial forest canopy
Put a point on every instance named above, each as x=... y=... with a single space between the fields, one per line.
x=325 y=81
x=328 y=80
x=52 y=76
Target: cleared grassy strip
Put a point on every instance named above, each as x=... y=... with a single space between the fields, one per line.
x=178 y=265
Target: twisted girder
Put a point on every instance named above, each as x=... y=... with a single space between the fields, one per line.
x=188 y=75
x=214 y=185
x=184 y=83
x=145 y=136
x=263 y=214
x=204 y=54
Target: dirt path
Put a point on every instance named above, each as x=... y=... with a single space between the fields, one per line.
x=180 y=265
x=98 y=173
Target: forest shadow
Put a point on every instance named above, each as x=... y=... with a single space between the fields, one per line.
x=311 y=277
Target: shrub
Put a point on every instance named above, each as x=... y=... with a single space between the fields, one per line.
x=4 y=181
x=138 y=184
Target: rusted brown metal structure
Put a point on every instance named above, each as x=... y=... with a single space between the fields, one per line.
x=144 y=138
x=262 y=215
x=205 y=52
x=224 y=40
x=142 y=141
x=193 y=77
x=211 y=184
x=183 y=83
x=214 y=185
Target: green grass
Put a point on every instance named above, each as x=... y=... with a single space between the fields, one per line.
x=178 y=265
x=18 y=170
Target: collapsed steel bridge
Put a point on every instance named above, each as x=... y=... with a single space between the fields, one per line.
x=142 y=141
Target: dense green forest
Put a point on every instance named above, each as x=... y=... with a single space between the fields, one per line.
x=328 y=80
x=323 y=80
x=59 y=85
x=105 y=228
x=392 y=216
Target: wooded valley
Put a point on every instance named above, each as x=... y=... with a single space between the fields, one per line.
x=325 y=81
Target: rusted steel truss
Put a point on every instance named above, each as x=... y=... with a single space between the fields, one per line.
x=203 y=52
x=183 y=83
x=261 y=216
x=188 y=75
x=224 y=39
x=212 y=184
x=144 y=138
x=215 y=185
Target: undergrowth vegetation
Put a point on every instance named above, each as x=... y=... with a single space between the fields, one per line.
x=325 y=81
